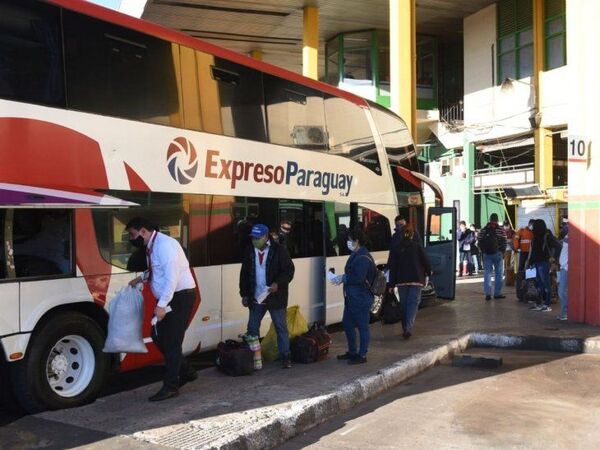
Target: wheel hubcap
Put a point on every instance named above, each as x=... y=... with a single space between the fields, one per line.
x=70 y=366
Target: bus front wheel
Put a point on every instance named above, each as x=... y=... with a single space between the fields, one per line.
x=64 y=365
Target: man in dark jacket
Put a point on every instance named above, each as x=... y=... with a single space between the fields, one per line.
x=492 y=243
x=400 y=222
x=267 y=270
x=544 y=246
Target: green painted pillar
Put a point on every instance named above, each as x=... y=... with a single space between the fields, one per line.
x=469 y=163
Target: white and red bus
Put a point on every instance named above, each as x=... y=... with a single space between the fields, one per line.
x=104 y=117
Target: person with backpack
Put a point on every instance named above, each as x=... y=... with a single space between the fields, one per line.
x=544 y=246
x=492 y=242
x=409 y=267
x=359 y=273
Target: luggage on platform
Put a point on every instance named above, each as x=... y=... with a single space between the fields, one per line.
x=391 y=311
x=235 y=358
x=311 y=346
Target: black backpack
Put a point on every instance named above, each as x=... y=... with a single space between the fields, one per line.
x=489 y=242
x=391 y=311
x=235 y=358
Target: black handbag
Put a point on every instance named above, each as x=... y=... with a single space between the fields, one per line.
x=235 y=358
x=391 y=311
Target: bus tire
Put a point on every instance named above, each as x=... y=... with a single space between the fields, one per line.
x=64 y=365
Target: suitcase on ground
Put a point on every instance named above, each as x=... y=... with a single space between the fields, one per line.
x=235 y=358
x=391 y=311
x=311 y=346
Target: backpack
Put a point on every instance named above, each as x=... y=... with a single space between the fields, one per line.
x=311 y=346
x=489 y=242
x=235 y=358
x=391 y=311
x=379 y=283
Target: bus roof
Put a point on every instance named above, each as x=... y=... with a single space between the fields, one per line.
x=143 y=26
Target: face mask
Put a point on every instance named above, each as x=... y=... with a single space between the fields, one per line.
x=138 y=242
x=259 y=243
x=530 y=227
x=284 y=231
x=351 y=246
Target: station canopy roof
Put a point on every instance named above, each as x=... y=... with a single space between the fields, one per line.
x=276 y=26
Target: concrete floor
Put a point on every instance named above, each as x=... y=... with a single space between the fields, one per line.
x=535 y=400
x=215 y=401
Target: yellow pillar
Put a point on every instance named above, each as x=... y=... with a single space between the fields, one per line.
x=403 y=61
x=542 y=136
x=310 y=49
x=257 y=54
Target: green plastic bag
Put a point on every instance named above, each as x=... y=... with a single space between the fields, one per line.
x=296 y=326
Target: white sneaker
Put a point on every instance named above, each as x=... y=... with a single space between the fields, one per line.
x=545 y=309
x=536 y=308
x=562 y=318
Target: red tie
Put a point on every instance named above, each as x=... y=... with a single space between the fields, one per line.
x=261 y=255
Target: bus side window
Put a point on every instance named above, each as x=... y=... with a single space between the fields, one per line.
x=119 y=72
x=295 y=114
x=240 y=100
x=31 y=63
x=42 y=242
x=5 y=245
x=350 y=134
x=166 y=211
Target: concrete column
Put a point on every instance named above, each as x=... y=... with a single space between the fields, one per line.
x=257 y=54
x=310 y=49
x=469 y=163
x=403 y=59
x=583 y=35
x=541 y=136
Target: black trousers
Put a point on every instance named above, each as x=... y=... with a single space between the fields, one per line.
x=168 y=336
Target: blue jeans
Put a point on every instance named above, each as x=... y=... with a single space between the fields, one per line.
x=279 y=318
x=542 y=279
x=410 y=297
x=357 y=313
x=563 y=291
x=493 y=262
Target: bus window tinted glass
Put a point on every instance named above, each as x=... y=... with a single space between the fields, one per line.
x=376 y=227
x=350 y=134
x=240 y=100
x=42 y=242
x=395 y=136
x=166 y=211
x=31 y=64
x=295 y=115
x=119 y=72
x=339 y=223
x=304 y=220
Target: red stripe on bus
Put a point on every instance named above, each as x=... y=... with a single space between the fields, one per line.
x=136 y=183
x=40 y=153
x=177 y=37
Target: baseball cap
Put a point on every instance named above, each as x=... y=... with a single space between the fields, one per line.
x=259 y=230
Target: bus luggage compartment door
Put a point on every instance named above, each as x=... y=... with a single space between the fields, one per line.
x=440 y=238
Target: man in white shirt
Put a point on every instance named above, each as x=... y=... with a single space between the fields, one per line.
x=174 y=287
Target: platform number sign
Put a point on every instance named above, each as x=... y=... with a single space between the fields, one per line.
x=579 y=148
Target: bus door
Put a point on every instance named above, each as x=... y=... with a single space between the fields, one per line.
x=441 y=250
x=9 y=292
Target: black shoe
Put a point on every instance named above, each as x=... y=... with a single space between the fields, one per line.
x=163 y=394
x=488 y=297
x=191 y=375
x=497 y=297
x=406 y=335
x=357 y=360
x=286 y=363
x=347 y=356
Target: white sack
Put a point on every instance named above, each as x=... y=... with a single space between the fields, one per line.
x=125 y=317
